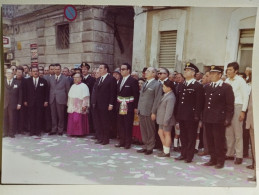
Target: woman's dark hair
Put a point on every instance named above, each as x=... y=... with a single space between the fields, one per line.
x=77 y=73
x=169 y=83
x=140 y=79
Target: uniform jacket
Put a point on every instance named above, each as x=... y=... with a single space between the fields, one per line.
x=89 y=82
x=105 y=93
x=12 y=94
x=149 y=97
x=59 y=90
x=36 y=97
x=130 y=88
x=165 y=110
x=190 y=100
x=219 y=103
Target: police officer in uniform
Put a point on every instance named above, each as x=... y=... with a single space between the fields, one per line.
x=190 y=98
x=217 y=114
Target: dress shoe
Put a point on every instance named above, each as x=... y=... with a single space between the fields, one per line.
x=119 y=145
x=177 y=149
x=104 y=143
x=180 y=158
x=251 y=179
x=219 y=166
x=238 y=161
x=141 y=151
x=188 y=161
x=162 y=154
x=148 y=152
x=93 y=138
x=60 y=134
x=250 y=166
x=210 y=163
x=203 y=153
x=229 y=158
x=127 y=147
x=98 y=142
x=52 y=133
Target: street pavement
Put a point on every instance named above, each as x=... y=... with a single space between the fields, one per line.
x=70 y=160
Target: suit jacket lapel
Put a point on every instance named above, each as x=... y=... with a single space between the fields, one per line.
x=127 y=81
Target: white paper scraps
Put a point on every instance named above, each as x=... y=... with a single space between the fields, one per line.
x=229 y=168
x=219 y=176
x=45 y=154
x=179 y=168
x=145 y=160
x=199 y=179
x=161 y=163
x=111 y=165
x=157 y=179
x=133 y=156
x=88 y=157
x=128 y=162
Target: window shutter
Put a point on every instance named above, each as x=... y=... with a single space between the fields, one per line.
x=167 y=49
x=247 y=36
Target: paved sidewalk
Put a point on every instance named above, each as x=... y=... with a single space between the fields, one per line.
x=69 y=160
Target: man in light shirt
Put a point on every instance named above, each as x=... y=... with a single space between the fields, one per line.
x=234 y=133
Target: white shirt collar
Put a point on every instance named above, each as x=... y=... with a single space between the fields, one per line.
x=85 y=77
x=104 y=76
x=190 y=81
x=150 y=80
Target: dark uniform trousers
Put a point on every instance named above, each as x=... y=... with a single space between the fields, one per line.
x=215 y=133
x=188 y=138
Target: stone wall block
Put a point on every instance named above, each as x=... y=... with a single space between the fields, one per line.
x=62 y=58
x=76 y=48
x=103 y=37
x=88 y=36
x=75 y=27
x=88 y=14
x=42 y=59
x=75 y=37
x=88 y=47
x=41 y=50
x=50 y=50
x=40 y=23
x=74 y=58
x=41 y=41
x=87 y=57
x=50 y=31
x=88 y=25
x=51 y=40
x=51 y=59
x=40 y=32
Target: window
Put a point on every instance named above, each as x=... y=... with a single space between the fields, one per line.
x=63 y=36
x=245 y=52
x=167 y=49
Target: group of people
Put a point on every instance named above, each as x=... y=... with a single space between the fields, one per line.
x=190 y=109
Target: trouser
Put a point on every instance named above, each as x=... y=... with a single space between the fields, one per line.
x=47 y=115
x=246 y=138
x=125 y=123
x=234 y=134
x=251 y=131
x=205 y=141
x=10 y=115
x=36 y=115
x=57 y=117
x=188 y=138
x=215 y=133
x=148 y=130
x=103 y=122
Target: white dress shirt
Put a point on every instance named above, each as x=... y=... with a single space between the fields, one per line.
x=123 y=81
x=240 y=91
x=35 y=83
x=149 y=81
x=190 y=81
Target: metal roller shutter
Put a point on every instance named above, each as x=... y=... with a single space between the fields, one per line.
x=247 y=36
x=167 y=49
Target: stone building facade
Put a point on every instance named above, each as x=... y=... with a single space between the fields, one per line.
x=203 y=36
x=99 y=34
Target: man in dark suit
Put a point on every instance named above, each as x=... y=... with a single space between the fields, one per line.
x=190 y=103
x=22 y=115
x=217 y=114
x=12 y=103
x=104 y=102
x=89 y=81
x=36 y=98
x=127 y=103
x=59 y=88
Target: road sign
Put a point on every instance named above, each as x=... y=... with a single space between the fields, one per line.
x=70 y=12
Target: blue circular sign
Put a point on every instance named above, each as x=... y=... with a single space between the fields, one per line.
x=70 y=12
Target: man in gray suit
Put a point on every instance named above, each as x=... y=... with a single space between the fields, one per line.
x=59 y=88
x=150 y=94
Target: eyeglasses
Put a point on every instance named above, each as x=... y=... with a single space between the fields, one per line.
x=122 y=69
x=161 y=73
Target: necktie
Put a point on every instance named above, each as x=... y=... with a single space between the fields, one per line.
x=56 y=79
x=145 y=85
x=213 y=85
x=122 y=83
x=101 y=80
x=9 y=83
x=35 y=84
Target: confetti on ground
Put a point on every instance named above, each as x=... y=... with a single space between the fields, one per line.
x=45 y=154
x=177 y=168
x=162 y=163
x=219 y=176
